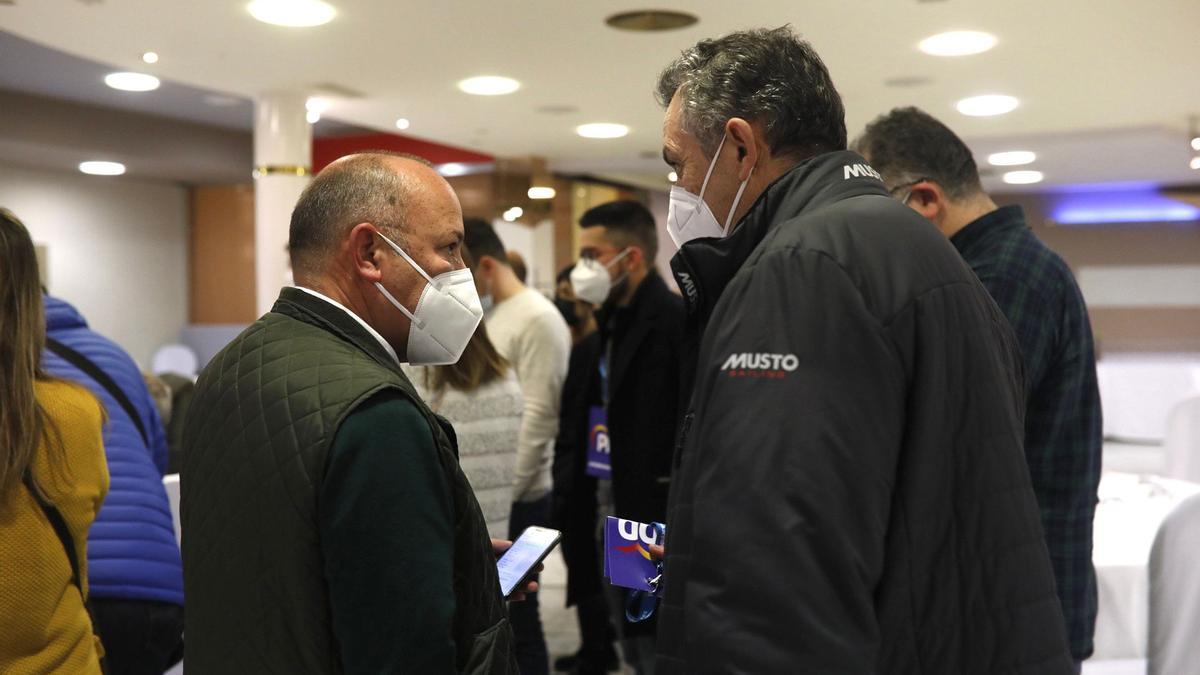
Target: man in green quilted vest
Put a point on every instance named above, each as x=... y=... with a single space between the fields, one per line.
x=327 y=527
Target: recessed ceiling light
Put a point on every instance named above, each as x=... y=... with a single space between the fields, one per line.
x=958 y=43
x=150 y=57
x=316 y=104
x=651 y=20
x=1195 y=163
x=452 y=169
x=541 y=192
x=98 y=168
x=987 y=105
x=292 y=13
x=1011 y=158
x=672 y=176
x=402 y=123
x=312 y=116
x=513 y=213
x=1196 y=143
x=602 y=130
x=1023 y=177
x=489 y=85
x=131 y=81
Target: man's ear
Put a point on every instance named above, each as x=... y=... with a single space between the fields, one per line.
x=745 y=140
x=928 y=199
x=367 y=251
x=484 y=265
x=634 y=257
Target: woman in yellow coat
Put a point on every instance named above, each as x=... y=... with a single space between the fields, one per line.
x=52 y=468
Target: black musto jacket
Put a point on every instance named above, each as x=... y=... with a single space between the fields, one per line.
x=851 y=494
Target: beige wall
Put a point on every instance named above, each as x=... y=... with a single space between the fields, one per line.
x=116 y=248
x=1142 y=328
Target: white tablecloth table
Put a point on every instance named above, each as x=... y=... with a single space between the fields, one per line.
x=1131 y=509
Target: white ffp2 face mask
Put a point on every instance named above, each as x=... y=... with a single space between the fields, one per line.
x=446 y=316
x=590 y=279
x=688 y=215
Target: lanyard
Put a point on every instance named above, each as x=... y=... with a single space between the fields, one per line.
x=640 y=605
x=605 y=360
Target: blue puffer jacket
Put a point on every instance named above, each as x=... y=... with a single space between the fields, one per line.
x=132 y=552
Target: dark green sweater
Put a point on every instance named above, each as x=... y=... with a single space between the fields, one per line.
x=383 y=470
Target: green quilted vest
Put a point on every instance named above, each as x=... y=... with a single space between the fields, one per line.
x=256 y=439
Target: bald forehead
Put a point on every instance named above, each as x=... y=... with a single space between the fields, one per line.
x=424 y=187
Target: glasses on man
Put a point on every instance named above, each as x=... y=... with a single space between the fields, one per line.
x=905 y=186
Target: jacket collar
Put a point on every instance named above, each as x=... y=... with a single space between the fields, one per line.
x=703 y=267
x=60 y=315
x=638 y=317
x=310 y=309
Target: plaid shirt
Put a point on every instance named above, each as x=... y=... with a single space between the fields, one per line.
x=1038 y=294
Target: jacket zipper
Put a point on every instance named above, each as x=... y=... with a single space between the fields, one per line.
x=682 y=438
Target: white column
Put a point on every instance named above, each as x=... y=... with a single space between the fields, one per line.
x=282 y=164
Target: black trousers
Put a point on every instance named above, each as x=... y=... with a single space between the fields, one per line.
x=532 y=657
x=140 y=637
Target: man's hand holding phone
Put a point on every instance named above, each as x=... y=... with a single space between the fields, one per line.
x=518 y=562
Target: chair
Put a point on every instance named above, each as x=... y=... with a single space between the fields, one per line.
x=1175 y=592
x=171 y=483
x=175 y=358
x=1183 y=441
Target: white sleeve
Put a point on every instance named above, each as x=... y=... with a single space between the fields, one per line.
x=541 y=354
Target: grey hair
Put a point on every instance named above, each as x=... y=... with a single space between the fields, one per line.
x=361 y=188
x=766 y=75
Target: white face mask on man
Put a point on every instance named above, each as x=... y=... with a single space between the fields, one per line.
x=446 y=317
x=590 y=279
x=688 y=215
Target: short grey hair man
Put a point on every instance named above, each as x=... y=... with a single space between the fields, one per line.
x=789 y=89
x=762 y=98
x=849 y=493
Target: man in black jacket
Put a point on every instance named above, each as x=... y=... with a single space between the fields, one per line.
x=850 y=494
x=628 y=372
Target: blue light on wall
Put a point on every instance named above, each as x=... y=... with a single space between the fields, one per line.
x=1140 y=206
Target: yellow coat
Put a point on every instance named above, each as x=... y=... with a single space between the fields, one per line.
x=44 y=627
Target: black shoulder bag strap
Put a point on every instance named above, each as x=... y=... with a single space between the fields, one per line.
x=59 y=525
x=68 y=544
x=93 y=371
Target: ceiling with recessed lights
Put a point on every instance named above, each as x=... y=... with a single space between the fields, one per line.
x=1103 y=88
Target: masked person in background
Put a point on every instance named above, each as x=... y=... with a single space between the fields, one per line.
x=327 y=524
x=529 y=333
x=625 y=376
x=850 y=494
x=579 y=315
x=480 y=396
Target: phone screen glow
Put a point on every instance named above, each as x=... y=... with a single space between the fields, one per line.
x=524 y=554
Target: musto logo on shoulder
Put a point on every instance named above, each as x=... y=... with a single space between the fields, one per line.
x=640 y=534
x=760 y=365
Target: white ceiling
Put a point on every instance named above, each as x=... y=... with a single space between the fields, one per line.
x=1106 y=86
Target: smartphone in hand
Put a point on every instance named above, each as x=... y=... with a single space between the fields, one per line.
x=521 y=561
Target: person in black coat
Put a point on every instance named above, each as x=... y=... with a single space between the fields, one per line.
x=850 y=493
x=630 y=368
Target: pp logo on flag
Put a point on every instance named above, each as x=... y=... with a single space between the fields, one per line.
x=599 y=448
